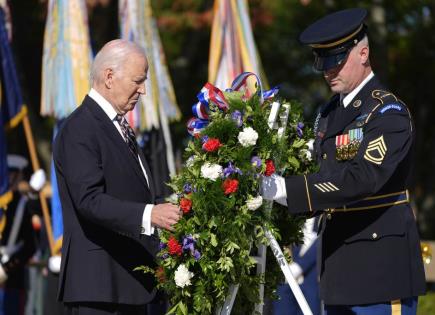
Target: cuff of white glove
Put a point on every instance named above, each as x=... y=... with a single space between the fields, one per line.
x=147 y=228
x=273 y=187
x=3 y=275
x=37 y=180
x=54 y=263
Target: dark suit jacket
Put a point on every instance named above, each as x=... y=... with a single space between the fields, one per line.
x=103 y=193
x=368 y=255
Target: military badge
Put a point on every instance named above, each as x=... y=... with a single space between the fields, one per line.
x=357 y=103
x=376 y=151
x=347 y=145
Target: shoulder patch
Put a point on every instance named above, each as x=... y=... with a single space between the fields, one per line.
x=395 y=106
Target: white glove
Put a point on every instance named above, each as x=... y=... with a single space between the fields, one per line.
x=54 y=263
x=3 y=275
x=297 y=272
x=273 y=188
x=37 y=180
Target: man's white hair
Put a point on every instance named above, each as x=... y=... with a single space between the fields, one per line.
x=112 y=56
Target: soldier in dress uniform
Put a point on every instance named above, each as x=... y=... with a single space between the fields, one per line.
x=17 y=242
x=370 y=260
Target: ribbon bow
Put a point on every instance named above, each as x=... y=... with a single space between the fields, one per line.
x=210 y=93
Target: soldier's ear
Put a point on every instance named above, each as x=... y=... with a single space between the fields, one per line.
x=364 y=55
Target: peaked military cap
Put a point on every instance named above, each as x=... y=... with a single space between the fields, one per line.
x=333 y=36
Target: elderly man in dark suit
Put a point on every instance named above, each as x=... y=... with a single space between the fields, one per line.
x=108 y=202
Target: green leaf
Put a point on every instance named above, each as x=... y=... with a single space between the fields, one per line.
x=294 y=162
x=213 y=240
x=298 y=143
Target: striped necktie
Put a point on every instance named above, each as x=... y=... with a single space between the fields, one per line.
x=128 y=133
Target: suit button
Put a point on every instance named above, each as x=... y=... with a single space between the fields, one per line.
x=142 y=230
x=324 y=156
x=374 y=236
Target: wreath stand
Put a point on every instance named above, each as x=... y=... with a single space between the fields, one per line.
x=274 y=246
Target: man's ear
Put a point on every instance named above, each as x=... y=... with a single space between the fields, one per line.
x=364 y=55
x=108 y=78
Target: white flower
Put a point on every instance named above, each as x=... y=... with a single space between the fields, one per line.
x=247 y=137
x=211 y=171
x=310 y=145
x=306 y=154
x=254 y=203
x=190 y=161
x=182 y=276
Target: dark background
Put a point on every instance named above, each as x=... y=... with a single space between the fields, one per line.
x=402 y=39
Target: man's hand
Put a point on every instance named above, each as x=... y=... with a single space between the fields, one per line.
x=165 y=215
x=273 y=188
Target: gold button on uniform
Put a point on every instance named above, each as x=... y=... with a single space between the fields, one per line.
x=374 y=236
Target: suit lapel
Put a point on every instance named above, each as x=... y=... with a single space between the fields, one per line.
x=115 y=136
x=148 y=171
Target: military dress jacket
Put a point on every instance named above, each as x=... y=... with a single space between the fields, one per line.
x=370 y=250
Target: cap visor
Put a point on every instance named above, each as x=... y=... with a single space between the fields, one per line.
x=325 y=63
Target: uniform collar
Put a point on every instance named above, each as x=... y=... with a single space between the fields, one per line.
x=103 y=103
x=349 y=97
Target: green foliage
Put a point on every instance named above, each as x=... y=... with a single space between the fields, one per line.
x=223 y=227
x=426 y=304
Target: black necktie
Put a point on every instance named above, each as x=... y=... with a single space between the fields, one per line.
x=128 y=133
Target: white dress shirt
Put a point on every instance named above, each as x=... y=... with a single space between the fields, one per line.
x=147 y=229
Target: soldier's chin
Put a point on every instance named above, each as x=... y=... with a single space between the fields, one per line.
x=335 y=87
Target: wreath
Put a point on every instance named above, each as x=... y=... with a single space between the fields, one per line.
x=237 y=139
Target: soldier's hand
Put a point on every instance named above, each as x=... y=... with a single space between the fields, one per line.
x=165 y=215
x=273 y=187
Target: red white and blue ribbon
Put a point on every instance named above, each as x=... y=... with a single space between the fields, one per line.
x=210 y=93
x=195 y=125
x=241 y=79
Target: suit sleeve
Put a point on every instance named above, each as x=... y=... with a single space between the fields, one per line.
x=78 y=163
x=387 y=140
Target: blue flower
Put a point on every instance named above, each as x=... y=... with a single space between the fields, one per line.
x=256 y=161
x=162 y=245
x=299 y=130
x=196 y=255
x=231 y=169
x=204 y=139
x=189 y=243
x=236 y=116
x=187 y=188
x=164 y=256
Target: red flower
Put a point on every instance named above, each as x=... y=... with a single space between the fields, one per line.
x=185 y=205
x=212 y=145
x=270 y=168
x=230 y=186
x=174 y=248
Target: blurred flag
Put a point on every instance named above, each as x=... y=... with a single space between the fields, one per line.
x=66 y=63
x=158 y=107
x=11 y=111
x=232 y=45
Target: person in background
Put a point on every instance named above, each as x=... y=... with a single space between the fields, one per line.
x=18 y=242
x=370 y=259
x=304 y=269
